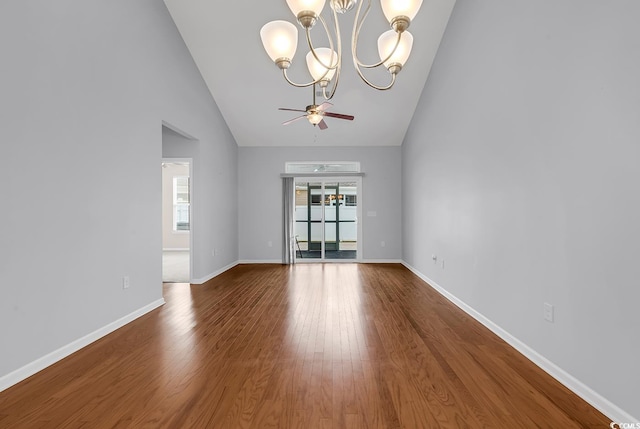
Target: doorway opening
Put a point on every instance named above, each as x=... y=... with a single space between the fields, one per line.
x=326 y=219
x=176 y=220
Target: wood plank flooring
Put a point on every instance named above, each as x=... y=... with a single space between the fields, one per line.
x=307 y=346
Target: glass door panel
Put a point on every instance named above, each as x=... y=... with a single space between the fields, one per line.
x=315 y=219
x=326 y=220
x=308 y=220
x=330 y=218
x=348 y=220
x=301 y=220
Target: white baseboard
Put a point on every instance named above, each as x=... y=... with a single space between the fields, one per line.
x=38 y=365
x=216 y=273
x=606 y=407
x=175 y=249
x=315 y=261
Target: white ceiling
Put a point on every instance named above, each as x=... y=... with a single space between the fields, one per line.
x=224 y=40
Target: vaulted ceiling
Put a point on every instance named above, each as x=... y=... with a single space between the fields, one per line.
x=224 y=40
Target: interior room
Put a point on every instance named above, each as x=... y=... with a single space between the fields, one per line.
x=176 y=221
x=496 y=189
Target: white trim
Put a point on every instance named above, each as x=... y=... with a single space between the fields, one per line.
x=216 y=273
x=287 y=164
x=39 y=364
x=260 y=261
x=360 y=219
x=599 y=402
x=175 y=249
x=178 y=131
x=316 y=175
x=322 y=261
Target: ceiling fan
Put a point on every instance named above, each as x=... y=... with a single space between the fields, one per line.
x=315 y=114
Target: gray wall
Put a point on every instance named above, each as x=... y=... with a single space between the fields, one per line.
x=522 y=164
x=85 y=87
x=260 y=198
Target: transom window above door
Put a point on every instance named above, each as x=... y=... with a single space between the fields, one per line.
x=322 y=167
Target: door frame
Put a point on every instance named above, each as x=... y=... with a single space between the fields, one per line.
x=336 y=179
x=191 y=193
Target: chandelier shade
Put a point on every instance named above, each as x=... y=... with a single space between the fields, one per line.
x=324 y=69
x=395 y=8
x=280 y=40
x=298 y=6
x=386 y=43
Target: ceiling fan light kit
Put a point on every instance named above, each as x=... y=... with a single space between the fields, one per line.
x=280 y=39
x=315 y=118
x=315 y=114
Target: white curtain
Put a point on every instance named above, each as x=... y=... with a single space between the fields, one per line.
x=288 y=214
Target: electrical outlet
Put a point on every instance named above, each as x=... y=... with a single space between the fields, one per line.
x=434 y=258
x=126 y=283
x=270 y=243
x=548 y=312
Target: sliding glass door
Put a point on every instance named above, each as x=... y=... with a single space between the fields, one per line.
x=326 y=215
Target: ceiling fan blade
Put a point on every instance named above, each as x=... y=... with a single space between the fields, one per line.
x=339 y=116
x=322 y=125
x=293 y=120
x=324 y=106
x=292 y=110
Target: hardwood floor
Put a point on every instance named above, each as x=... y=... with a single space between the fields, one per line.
x=308 y=346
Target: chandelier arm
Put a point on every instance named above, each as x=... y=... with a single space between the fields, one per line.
x=324 y=94
x=336 y=80
x=297 y=85
x=357 y=27
x=331 y=46
x=378 y=64
x=336 y=77
x=357 y=23
x=379 y=88
x=313 y=51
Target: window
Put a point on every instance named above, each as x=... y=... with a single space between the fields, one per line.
x=322 y=167
x=181 y=203
x=351 y=200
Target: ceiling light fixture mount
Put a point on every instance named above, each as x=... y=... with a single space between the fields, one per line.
x=280 y=40
x=342 y=6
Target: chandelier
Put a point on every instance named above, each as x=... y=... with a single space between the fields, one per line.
x=280 y=40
